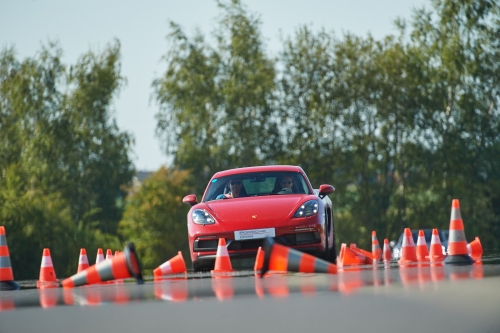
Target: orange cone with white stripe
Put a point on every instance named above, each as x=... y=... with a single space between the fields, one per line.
x=422 y=251
x=83 y=260
x=475 y=249
x=100 y=256
x=109 y=254
x=173 y=266
x=124 y=265
x=376 y=250
x=6 y=274
x=259 y=261
x=457 y=244
x=282 y=258
x=367 y=254
x=436 y=250
x=47 y=277
x=408 y=252
x=387 y=255
x=222 y=261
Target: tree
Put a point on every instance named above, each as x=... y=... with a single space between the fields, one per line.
x=63 y=159
x=215 y=110
x=155 y=217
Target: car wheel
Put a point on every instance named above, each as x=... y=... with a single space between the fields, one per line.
x=326 y=254
x=333 y=250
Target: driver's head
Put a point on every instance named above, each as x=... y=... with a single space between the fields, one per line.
x=235 y=186
x=286 y=182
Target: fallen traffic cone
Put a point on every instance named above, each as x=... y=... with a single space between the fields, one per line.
x=100 y=256
x=368 y=255
x=457 y=244
x=6 y=275
x=259 y=261
x=348 y=257
x=376 y=251
x=83 y=261
x=422 y=251
x=123 y=266
x=387 y=255
x=47 y=277
x=408 y=253
x=281 y=258
x=222 y=261
x=172 y=266
x=475 y=249
x=436 y=249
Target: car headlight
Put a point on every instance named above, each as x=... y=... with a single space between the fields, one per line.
x=308 y=208
x=201 y=216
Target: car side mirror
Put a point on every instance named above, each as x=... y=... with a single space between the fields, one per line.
x=325 y=189
x=190 y=199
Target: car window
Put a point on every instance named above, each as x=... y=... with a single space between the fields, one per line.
x=258 y=184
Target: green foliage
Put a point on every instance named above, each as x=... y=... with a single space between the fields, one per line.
x=215 y=110
x=155 y=217
x=62 y=158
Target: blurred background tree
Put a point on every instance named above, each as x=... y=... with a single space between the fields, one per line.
x=155 y=217
x=63 y=158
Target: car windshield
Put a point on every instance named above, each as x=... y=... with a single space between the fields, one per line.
x=259 y=184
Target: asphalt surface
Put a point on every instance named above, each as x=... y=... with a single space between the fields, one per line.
x=368 y=299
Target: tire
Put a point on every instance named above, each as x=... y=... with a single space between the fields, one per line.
x=333 y=250
x=326 y=254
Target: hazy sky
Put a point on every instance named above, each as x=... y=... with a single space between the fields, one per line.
x=141 y=27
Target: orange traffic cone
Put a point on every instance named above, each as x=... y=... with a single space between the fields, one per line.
x=436 y=250
x=47 y=277
x=387 y=251
x=100 y=256
x=172 y=266
x=457 y=245
x=348 y=257
x=6 y=275
x=83 y=260
x=222 y=262
x=109 y=254
x=368 y=255
x=475 y=249
x=422 y=251
x=376 y=251
x=281 y=258
x=259 y=261
x=408 y=253
x=123 y=266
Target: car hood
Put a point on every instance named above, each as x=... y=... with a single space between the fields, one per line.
x=255 y=208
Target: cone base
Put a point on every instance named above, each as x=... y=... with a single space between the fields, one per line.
x=459 y=260
x=9 y=285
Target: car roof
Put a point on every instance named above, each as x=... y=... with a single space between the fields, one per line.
x=290 y=168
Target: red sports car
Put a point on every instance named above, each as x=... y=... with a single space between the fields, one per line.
x=246 y=205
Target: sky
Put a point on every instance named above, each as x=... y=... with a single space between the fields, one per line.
x=141 y=28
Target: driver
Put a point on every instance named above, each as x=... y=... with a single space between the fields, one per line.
x=286 y=184
x=235 y=186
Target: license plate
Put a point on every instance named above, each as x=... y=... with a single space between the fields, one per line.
x=254 y=234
